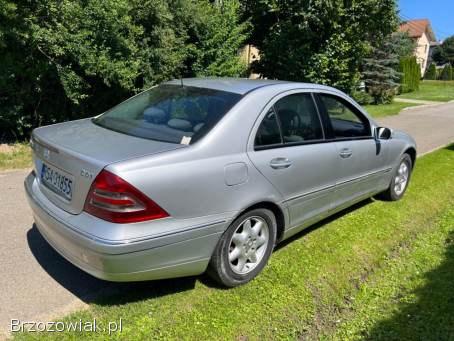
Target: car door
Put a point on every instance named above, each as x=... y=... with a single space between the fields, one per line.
x=361 y=159
x=289 y=149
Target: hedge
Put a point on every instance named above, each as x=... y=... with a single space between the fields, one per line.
x=431 y=73
x=446 y=74
x=411 y=74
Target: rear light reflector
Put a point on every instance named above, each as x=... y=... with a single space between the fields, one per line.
x=113 y=199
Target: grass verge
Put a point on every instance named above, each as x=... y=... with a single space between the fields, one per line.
x=441 y=91
x=310 y=285
x=382 y=110
x=15 y=156
x=411 y=298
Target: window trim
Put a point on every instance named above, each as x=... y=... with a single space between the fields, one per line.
x=291 y=144
x=327 y=120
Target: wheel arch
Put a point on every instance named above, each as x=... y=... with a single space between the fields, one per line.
x=278 y=212
x=412 y=152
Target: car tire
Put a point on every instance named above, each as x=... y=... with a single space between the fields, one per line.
x=244 y=249
x=400 y=180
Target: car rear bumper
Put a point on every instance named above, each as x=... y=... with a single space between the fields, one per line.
x=172 y=255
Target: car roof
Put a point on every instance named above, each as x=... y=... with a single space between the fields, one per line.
x=241 y=85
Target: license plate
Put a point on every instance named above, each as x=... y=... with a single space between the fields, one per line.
x=55 y=180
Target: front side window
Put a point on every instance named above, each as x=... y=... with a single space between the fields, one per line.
x=298 y=118
x=345 y=121
x=170 y=113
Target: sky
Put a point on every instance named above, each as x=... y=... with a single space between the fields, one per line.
x=439 y=12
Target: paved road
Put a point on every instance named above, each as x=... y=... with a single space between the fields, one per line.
x=30 y=286
x=37 y=284
x=432 y=126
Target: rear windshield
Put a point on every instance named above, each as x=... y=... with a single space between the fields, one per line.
x=170 y=113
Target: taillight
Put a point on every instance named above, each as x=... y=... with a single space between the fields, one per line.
x=113 y=199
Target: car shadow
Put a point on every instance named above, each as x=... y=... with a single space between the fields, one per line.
x=92 y=290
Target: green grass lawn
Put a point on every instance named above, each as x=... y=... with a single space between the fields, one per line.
x=412 y=297
x=381 y=270
x=442 y=91
x=15 y=156
x=383 y=110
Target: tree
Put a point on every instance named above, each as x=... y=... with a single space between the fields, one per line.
x=448 y=50
x=65 y=59
x=379 y=69
x=400 y=44
x=318 y=41
x=437 y=55
x=446 y=74
x=411 y=74
x=431 y=73
x=379 y=73
x=444 y=53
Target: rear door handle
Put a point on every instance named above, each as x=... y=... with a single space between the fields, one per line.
x=345 y=153
x=280 y=163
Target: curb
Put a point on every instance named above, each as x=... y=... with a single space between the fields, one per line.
x=434 y=149
x=419 y=106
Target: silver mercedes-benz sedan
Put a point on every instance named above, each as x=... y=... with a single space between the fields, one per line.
x=200 y=175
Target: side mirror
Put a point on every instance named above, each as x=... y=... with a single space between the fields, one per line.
x=383 y=133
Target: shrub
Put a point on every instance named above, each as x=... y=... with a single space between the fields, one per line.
x=446 y=73
x=431 y=73
x=411 y=74
x=362 y=97
x=87 y=55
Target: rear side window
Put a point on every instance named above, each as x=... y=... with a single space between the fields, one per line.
x=170 y=113
x=298 y=118
x=292 y=119
x=345 y=121
x=268 y=133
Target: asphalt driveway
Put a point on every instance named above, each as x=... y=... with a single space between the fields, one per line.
x=38 y=285
x=432 y=126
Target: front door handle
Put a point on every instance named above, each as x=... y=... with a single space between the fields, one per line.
x=280 y=163
x=345 y=153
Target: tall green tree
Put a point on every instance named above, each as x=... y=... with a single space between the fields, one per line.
x=446 y=73
x=64 y=59
x=431 y=73
x=380 y=69
x=411 y=74
x=444 y=53
x=380 y=75
x=319 y=41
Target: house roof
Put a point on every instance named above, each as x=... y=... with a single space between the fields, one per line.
x=416 y=28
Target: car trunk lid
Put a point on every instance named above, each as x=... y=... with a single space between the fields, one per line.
x=75 y=152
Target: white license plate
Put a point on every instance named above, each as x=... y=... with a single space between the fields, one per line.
x=58 y=182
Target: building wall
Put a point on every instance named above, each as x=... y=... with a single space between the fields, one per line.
x=422 y=52
x=250 y=54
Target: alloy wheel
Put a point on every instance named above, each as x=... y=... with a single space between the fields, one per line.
x=248 y=245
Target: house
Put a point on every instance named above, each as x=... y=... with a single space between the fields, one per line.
x=421 y=32
x=250 y=54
